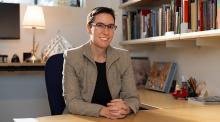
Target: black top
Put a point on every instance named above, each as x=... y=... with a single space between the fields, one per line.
x=101 y=93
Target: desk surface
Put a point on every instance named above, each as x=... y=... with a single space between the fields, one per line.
x=200 y=114
x=162 y=100
x=170 y=110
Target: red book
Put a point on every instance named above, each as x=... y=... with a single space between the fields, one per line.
x=185 y=11
x=145 y=12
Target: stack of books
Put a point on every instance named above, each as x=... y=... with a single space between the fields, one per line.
x=205 y=100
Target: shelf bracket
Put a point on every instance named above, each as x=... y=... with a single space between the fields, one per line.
x=180 y=43
x=214 y=41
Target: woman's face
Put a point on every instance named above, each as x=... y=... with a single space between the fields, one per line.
x=102 y=30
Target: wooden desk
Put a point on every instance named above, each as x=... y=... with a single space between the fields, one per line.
x=170 y=110
x=200 y=114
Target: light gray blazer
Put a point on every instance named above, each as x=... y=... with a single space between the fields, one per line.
x=79 y=79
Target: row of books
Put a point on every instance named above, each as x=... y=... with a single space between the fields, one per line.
x=178 y=16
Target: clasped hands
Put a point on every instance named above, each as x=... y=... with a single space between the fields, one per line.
x=116 y=109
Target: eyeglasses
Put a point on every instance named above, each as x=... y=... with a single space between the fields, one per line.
x=102 y=26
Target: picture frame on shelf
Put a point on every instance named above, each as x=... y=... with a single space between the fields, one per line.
x=141 y=67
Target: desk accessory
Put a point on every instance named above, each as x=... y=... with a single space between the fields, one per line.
x=187 y=89
x=26 y=56
x=34 y=19
x=15 y=59
x=182 y=92
x=205 y=100
x=201 y=89
x=57 y=45
x=3 y=58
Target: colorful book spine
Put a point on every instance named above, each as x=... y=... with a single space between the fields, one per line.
x=218 y=14
x=201 y=15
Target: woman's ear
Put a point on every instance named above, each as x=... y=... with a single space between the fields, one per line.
x=88 y=28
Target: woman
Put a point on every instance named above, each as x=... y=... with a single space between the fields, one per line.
x=98 y=79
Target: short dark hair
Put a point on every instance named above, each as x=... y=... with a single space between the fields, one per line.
x=99 y=10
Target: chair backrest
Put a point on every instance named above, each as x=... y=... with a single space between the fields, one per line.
x=53 y=77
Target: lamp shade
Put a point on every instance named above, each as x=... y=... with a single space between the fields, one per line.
x=34 y=18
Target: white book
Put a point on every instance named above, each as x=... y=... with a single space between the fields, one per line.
x=205 y=100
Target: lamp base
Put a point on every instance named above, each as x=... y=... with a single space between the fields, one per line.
x=33 y=59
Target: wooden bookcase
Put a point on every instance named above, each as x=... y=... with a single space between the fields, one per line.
x=190 y=39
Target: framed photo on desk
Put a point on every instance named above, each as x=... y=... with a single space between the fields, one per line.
x=161 y=76
x=141 y=67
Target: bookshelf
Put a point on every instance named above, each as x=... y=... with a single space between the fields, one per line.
x=201 y=38
x=189 y=39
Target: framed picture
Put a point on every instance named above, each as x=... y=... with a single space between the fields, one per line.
x=141 y=67
x=161 y=76
x=72 y=3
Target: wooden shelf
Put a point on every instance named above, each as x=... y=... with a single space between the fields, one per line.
x=192 y=39
x=201 y=34
x=22 y=66
x=151 y=40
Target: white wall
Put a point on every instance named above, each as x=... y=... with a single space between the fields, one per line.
x=71 y=21
x=23 y=94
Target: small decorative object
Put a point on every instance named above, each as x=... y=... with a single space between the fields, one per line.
x=192 y=87
x=15 y=59
x=181 y=92
x=161 y=76
x=187 y=90
x=57 y=45
x=141 y=66
x=201 y=89
x=26 y=56
x=3 y=58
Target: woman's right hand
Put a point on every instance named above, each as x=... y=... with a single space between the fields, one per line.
x=112 y=112
x=116 y=109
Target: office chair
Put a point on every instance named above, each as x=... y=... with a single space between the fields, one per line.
x=53 y=77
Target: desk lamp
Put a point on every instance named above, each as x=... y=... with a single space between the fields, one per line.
x=34 y=19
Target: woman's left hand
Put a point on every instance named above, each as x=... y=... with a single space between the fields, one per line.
x=119 y=106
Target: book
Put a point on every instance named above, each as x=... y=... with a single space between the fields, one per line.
x=193 y=15
x=191 y=87
x=205 y=100
x=161 y=76
x=218 y=14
